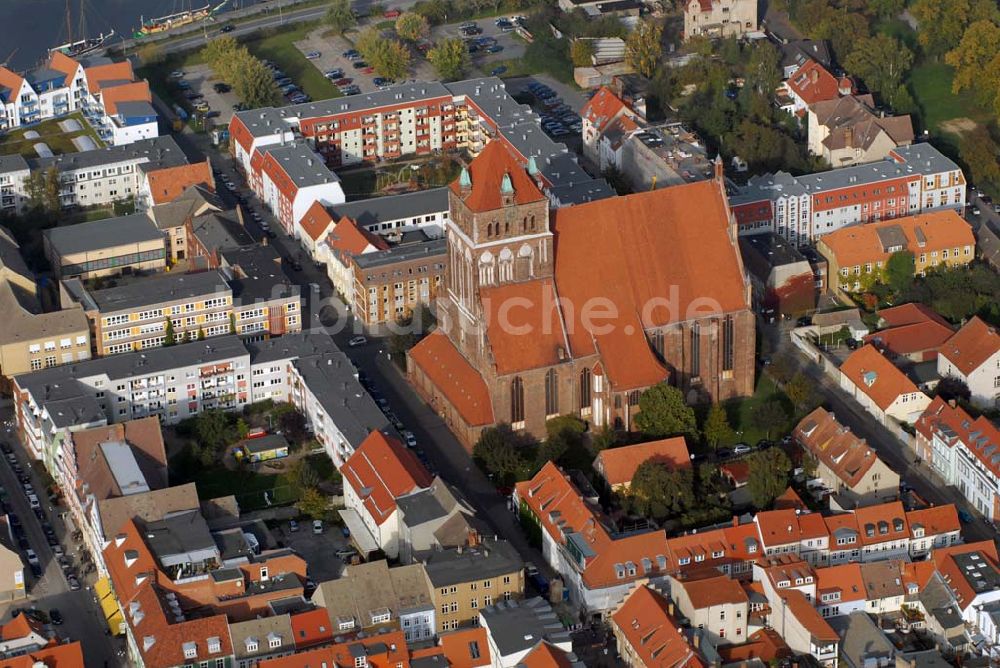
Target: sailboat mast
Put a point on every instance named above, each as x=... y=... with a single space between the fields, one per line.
x=69 y=24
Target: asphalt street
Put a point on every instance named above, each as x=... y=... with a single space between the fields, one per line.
x=899 y=458
x=84 y=620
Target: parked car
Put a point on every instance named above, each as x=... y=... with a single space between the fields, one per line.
x=350 y=53
x=368 y=70
x=497 y=71
x=723 y=453
x=346 y=553
x=344 y=81
x=964 y=516
x=357 y=341
x=31 y=556
x=313 y=55
x=55 y=617
x=334 y=74
x=391 y=14
x=293 y=526
x=359 y=64
x=73 y=583
x=741 y=449
x=317 y=527
x=496 y=48
x=222 y=88
x=411 y=440
x=226 y=28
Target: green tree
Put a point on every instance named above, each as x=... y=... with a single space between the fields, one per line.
x=201 y=333
x=940 y=23
x=305 y=475
x=979 y=152
x=603 y=439
x=882 y=62
x=169 y=336
x=412 y=26
x=769 y=472
x=499 y=451
x=313 y=503
x=659 y=491
x=254 y=83
x=232 y=323
x=340 y=17
x=642 y=48
x=450 y=58
x=764 y=68
x=842 y=28
x=215 y=429
x=221 y=54
x=886 y=9
x=716 y=428
x=662 y=412
x=976 y=60
x=581 y=52
x=801 y=392
x=899 y=271
x=770 y=416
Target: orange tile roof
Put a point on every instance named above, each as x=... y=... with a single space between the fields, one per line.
x=910 y=339
x=545 y=655
x=560 y=509
x=787 y=568
x=619 y=465
x=882 y=523
x=311 y=627
x=918 y=573
x=689 y=553
x=451 y=373
x=848 y=456
x=843 y=578
x=940 y=416
x=60 y=62
x=808 y=616
x=133 y=92
x=21 y=626
x=813 y=83
x=64 y=655
x=910 y=314
x=643 y=620
x=97 y=75
x=876 y=376
x=11 y=80
x=782 y=527
x=737 y=471
x=742 y=542
x=380 y=471
x=603 y=108
x=383 y=650
x=165 y=185
x=765 y=645
x=860 y=244
x=719 y=590
x=523 y=325
x=638 y=252
x=789 y=499
x=935 y=520
x=457 y=648
x=347 y=239
x=487 y=171
x=971 y=346
x=240 y=133
x=316 y=221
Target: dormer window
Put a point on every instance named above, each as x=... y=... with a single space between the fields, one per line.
x=214 y=645
x=252 y=644
x=190 y=650
x=273 y=641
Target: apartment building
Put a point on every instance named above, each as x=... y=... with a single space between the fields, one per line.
x=390 y=284
x=719 y=18
x=413 y=119
x=857 y=256
x=171 y=308
x=54 y=89
x=464 y=581
x=101 y=176
x=122 y=245
x=964 y=452
x=165 y=185
x=718 y=606
x=848 y=131
x=881 y=388
x=375 y=475
x=30 y=338
x=372 y=598
x=14 y=173
x=846 y=464
x=338 y=247
x=290 y=179
x=647 y=633
x=972 y=355
x=802 y=209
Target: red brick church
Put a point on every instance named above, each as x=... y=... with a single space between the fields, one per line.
x=578 y=310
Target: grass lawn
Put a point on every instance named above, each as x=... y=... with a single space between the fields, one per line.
x=931 y=86
x=247 y=486
x=741 y=412
x=358 y=183
x=51 y=134
x=280 y=48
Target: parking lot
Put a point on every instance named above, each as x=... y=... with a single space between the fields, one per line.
x=200 y=80
x=491 y=45
x=319 y=550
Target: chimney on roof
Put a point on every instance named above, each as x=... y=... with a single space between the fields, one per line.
x=951 y=402
x=719 y=168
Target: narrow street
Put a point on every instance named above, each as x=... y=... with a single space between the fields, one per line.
x=889 y=449
x=84 y=620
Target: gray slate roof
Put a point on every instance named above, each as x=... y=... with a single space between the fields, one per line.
x=150 y=291
x=158 y=152
x=302 y=165
x=394 y=207
x=519 y=626
x=100 y=234
x=13 y=163
x=492 y=558
x=403 y=253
